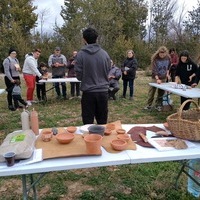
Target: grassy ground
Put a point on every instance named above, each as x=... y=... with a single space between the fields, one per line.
x=127 y=182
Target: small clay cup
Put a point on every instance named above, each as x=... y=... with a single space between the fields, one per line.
x=93 y=143
x=46 y=136
x=123 y=137
x=121 y=131
x=110 y=126
x=107 y=131
x=9 y=158
x=118 y=144
x=71 y=129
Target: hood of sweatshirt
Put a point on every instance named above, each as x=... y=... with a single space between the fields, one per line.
x=91 y=48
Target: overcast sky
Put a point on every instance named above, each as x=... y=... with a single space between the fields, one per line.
x=54 y=7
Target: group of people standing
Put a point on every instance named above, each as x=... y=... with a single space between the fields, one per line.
x=98 y=75
x=169 y=66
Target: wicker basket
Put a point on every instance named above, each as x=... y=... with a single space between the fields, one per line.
x=185 y=124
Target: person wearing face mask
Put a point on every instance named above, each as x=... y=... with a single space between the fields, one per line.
x=128 y=69
x=160 y=63
x=30 y=71
x=11 y=70
x=185 y=73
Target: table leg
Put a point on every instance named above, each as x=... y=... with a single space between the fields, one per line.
x=26 y=188
x=184 y=169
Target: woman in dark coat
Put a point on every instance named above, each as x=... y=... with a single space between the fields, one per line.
x=129 y=68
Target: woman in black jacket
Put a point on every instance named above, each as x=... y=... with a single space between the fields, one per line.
x=129 y=68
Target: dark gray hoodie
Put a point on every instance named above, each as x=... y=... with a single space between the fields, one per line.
x=92 y=65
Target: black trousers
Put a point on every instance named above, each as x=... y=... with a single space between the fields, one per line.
x=17 y=99
x=94 y=105
x=41 y=91
x=9 y=87
x=74 y=86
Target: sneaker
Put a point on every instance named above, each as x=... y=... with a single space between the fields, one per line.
x=158 y=108
x=147 y=108
x=29 y=103
x=34 y=101
x=71 y=98
x=79 y=97
x=20 y=107
x=11 y=108
x=131 y=98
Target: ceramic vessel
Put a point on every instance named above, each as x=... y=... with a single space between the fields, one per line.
x=107 y=131
x=64 y=138
x=93 y=143
x=110 y=126
x=120 y=131
x=46 y=136
x=119 y=144
x=71 y=129
x=123 y=137
x=96 y=129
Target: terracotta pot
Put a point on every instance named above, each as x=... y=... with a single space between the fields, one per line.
x=93 y=143
x=110 y=126
x=46 y=136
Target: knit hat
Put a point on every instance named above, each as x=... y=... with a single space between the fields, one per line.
x=11 y=50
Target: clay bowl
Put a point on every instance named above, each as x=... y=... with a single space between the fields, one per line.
x=64 y=138
x=123 y=137
x=119 y=144
x=120 y=131
x=107 y=131
x=110 y=126
x=71 y=129
x=46 y=135
x=96 y=129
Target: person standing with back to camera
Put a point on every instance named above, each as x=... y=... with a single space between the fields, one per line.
x=129 y=68
x=160 y=63
x=92 y=65
x=11 y=70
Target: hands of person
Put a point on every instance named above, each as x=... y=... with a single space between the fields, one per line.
x=159 y=81
x=125 y=72
x=194 y=85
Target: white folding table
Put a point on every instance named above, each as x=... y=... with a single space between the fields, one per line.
x=140 y=155
x=188 y=93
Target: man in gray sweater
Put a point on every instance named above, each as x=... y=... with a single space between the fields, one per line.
x=92 y=65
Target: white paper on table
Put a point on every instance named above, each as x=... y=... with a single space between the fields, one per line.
x=36 y=157
x=158 y=143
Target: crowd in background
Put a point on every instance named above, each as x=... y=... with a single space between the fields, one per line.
x=96 y=77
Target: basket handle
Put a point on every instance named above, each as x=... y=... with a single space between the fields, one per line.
x=183 y=104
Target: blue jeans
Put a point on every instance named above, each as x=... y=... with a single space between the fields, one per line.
x=129 y=82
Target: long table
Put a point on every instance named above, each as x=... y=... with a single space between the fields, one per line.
x=188 y=93
x=59 y=80
x=141 y=155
